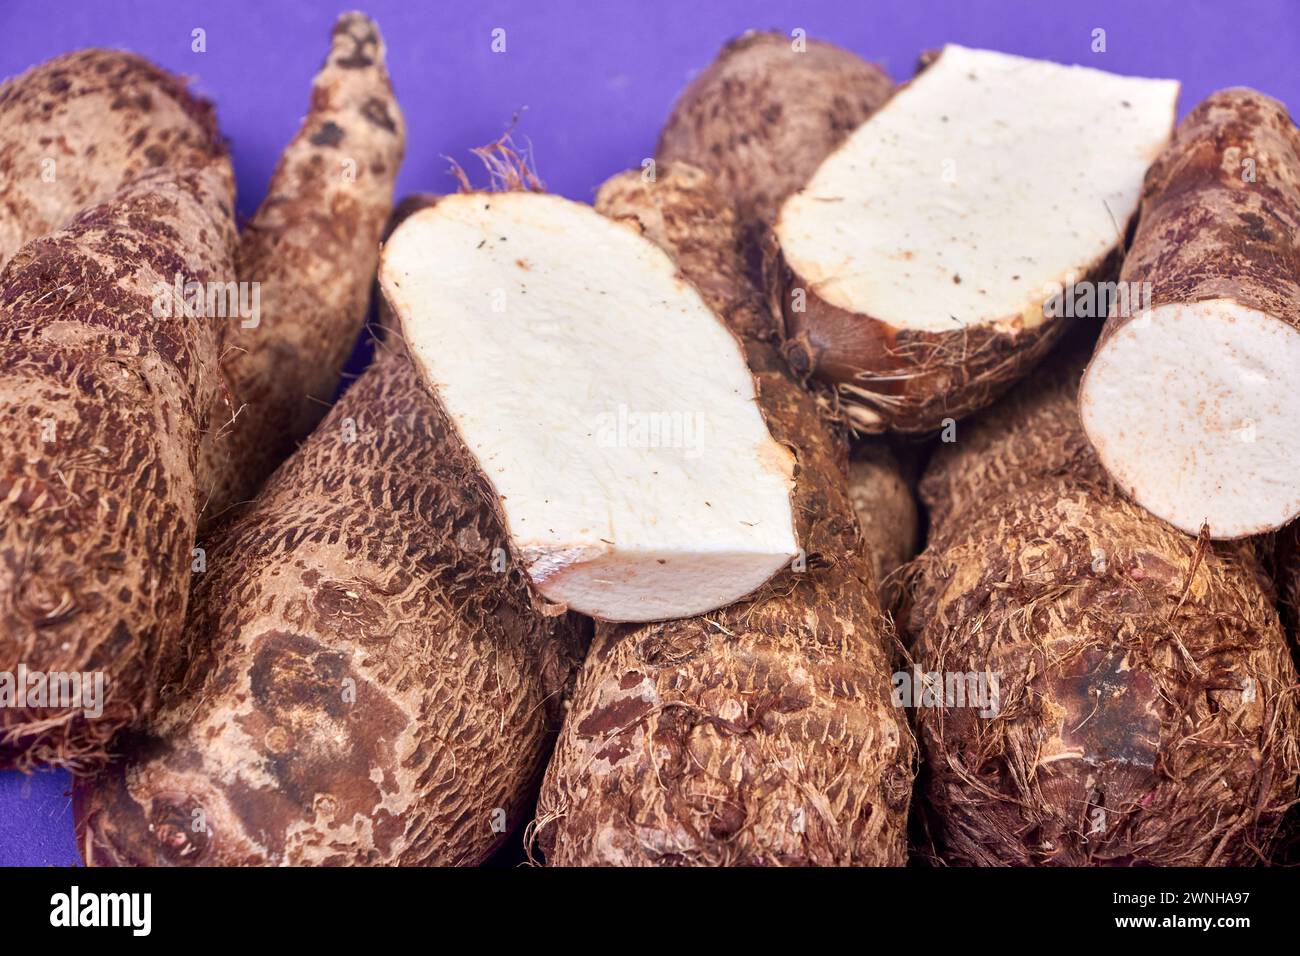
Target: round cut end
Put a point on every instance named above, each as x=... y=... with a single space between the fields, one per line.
x=1193 y=410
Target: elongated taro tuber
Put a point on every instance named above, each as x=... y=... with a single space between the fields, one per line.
x=1192 y=402
x=610 y=409
x=77 y=128
x=369 y=686
x=108 y=383
x=310 y=252
x=761 y=733
x=906 y=273
x=1134 y=702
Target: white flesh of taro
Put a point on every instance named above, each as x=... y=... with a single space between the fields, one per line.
x=611 y=410
x=983 y=186
x=1193 y=410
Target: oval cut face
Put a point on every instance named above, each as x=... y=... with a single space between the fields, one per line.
x=611 y=411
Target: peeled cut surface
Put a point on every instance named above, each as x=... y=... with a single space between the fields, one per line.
x=611 y=411
x=928 y=244
x=1193 y=412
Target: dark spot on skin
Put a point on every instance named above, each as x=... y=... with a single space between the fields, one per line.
x=360 y=57
x=956 y=280
x=156 y=155
x=613 y=717
x=330 y=134
x=376 y=111
x=1255 y=227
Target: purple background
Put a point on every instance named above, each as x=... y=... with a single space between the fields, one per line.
x=591 y=83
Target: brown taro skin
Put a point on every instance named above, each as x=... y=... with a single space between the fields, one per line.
x=365 y=687
x=905 y=381
x=75 y=129
x=1147 y=702
x=763 y=116
x=881 y=487
x=312 y=248
x=104 y=398
x=1207 y=230
x=762 y=733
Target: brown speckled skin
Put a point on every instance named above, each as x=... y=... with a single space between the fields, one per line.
x=761 y=118
x=313 y=246
x=1148 y=702
x=903 y=380
x=363 y=564
x=103 y=117
x=1204 y=232
x=762 y=733
x=97 y=525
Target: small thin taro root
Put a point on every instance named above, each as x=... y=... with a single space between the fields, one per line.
x=311 y=250
x=75 y=129
x=106 y=384
x=763 y=733
x=905 y=272
x=368 y=686
x=610 y=409
x=1144 y=707
x=765 y=114
x=1192 y=403
x=883 y=499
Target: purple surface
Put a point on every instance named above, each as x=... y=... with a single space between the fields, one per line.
x=591 y=84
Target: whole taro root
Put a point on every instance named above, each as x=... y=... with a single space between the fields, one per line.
x=1145 y=712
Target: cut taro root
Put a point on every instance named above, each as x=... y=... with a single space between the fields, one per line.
x=611 y=412
x=1192 y=403
x=921 y=268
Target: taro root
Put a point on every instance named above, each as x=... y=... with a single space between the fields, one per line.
x=611 y=411
x=368 y=686
x=1192 y=402
x=311 y=250
x=1144 y=711
x=108 y=386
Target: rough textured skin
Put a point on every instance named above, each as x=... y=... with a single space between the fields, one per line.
x=103 y=407
x=763 y=733
x=886 y=508
x=762 y=117
x=905 y=380
x=1204 y=232
x=1147 y=710
x=365 y=688
x=75 y=129
x=313 y=247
